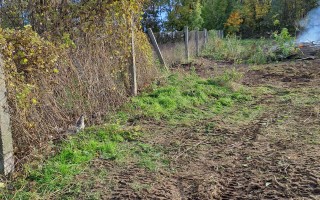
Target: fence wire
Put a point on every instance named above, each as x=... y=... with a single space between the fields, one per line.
x=172 y=45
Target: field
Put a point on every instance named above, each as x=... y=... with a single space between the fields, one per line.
x=211 y=131
x=224 y=105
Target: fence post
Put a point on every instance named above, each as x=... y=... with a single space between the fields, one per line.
x=6 y=146
x=186 y=42
x=205 y=36
x=133 y=69
x=156 y=47
x=197 y=42
x=220 y=34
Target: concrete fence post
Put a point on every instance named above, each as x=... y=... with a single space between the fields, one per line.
x=6 y=144
x=186 y=42
x=220 y=34
x=156 y=47
x=205 y=36
x=133 y=68
x=197 y=42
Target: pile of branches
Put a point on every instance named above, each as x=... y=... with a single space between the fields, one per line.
x=303 y=51
x=309 y=50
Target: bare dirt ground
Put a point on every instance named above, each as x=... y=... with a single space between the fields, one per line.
x=274 y=154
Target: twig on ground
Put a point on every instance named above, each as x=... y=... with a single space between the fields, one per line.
x=193 y=146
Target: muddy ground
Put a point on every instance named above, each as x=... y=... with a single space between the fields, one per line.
x=274 y=154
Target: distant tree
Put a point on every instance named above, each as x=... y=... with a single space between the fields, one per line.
x=233 y=23
x=154 y=11
x=254 y=14
x=264 y=16
x=184 y=13
x=215 y=13
x=290 y=12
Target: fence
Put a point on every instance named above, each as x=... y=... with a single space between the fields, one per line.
x=94 y=78
x=87 y=83
x=180 y=46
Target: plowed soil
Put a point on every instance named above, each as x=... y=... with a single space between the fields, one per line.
x=273 y=155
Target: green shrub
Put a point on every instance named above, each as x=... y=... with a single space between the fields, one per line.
x=285 y=42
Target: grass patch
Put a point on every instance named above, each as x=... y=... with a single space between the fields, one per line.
x=58 y=172
x=183 y=98
x=245 y=114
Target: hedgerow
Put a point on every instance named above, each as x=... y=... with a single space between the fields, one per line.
x=68 y=62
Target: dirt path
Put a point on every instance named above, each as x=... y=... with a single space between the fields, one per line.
x=272 y=154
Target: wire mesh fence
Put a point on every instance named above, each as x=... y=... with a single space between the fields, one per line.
x=90 y=79
x=173 y=45
x=192 y=42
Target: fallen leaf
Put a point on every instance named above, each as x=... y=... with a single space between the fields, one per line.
x=2 y=185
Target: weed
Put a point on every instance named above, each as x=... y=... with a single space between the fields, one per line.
x=228 y=76
x=210 y=127
x=232 y=48
x=285 y=42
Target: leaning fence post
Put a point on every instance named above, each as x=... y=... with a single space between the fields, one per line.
x=6 y=146
x=133 y=69
x=156 y=47
x=197 y=42
x=186 y=42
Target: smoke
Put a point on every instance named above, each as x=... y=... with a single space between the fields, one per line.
x=311 y=25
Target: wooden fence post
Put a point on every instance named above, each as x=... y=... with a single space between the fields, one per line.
x=186 y=42
x=133 y=69
x=197 y=42
x=156 y=47
x=6 y=146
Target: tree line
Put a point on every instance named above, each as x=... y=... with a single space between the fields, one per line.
x=245 y=17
